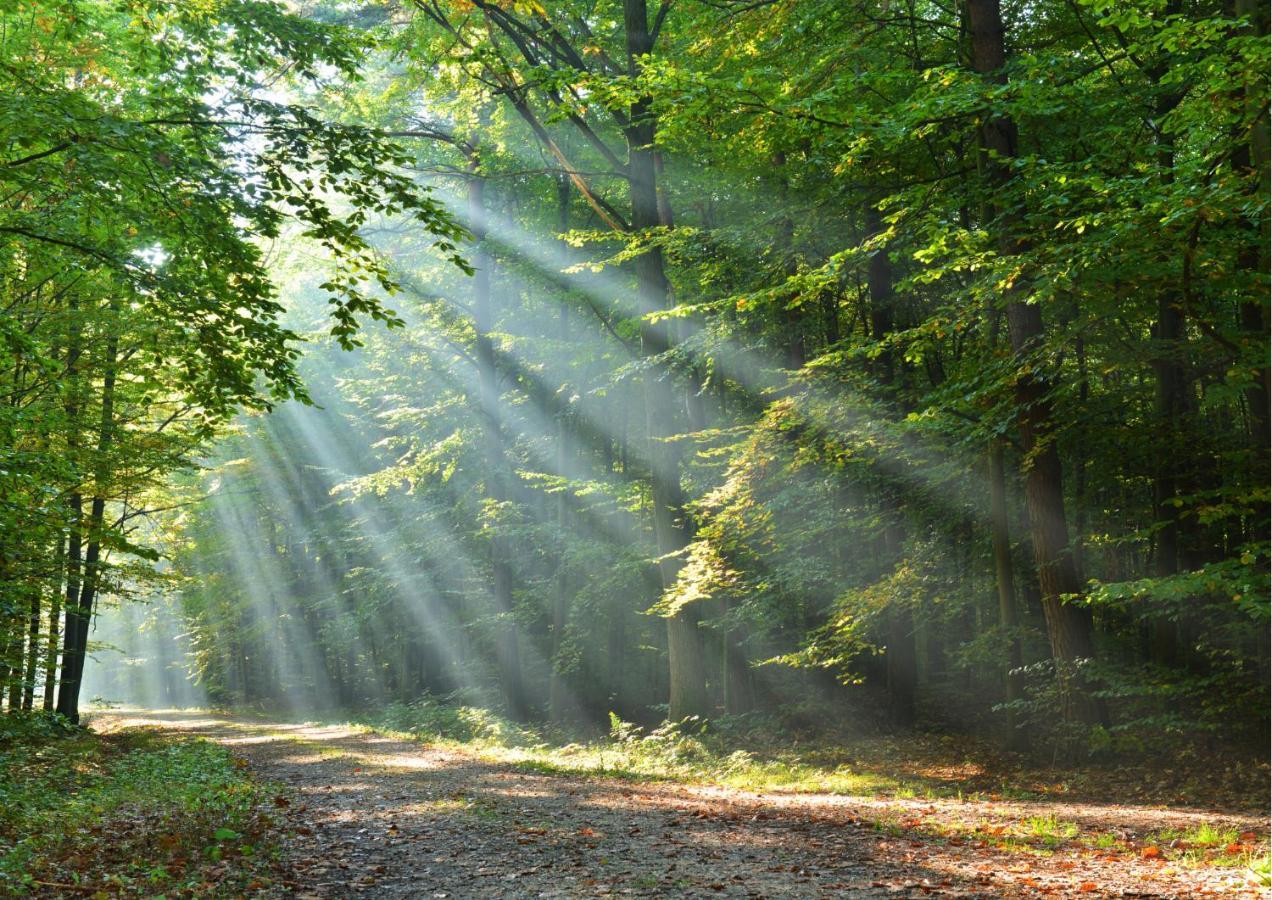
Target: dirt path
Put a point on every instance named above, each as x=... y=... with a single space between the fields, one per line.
x=371 y=816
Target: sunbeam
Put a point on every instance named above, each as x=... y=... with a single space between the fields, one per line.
x=487 y=447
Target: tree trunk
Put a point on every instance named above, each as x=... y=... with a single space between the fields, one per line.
x=33 y=651
x=1069 y=627
x=738 y=678
x=695 y=407
x=11 y=667
x=879 y=285
x=80 y=609
x=559 y=706
x=688 y=689
x=1171 y=408
x=73 y=625
x=1253 y=157
x=784 y=244
x=507 y=648
x=75 y=514
x=55 y=614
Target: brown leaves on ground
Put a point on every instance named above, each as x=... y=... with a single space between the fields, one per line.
x=374 y=817
x=1186 y=776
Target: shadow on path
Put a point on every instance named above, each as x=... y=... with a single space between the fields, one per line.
x=372 y=816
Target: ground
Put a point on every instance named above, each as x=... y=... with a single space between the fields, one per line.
x=363 y=814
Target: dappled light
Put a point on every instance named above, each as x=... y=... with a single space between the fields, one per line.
x=373 y=800
x=661 y=447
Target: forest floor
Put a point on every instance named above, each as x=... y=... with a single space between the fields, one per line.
x=360 y=813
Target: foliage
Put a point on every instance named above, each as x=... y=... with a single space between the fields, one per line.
x=146 y=169
x=173 y=809
x=432 y=719
x=805 y=357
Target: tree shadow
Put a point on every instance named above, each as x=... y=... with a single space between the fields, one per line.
x=393 y=817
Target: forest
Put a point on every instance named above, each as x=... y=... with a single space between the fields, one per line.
x=710 y=383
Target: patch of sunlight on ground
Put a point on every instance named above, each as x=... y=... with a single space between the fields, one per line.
x=250 y=739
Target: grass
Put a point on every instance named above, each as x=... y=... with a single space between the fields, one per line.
x=764 y=753
x=133 y=813
x=1205 y=835
x=692 y=751
x=1049 y=831
x=887 y=770
x=1208 y=844
x=777 y=757
x=701 y=753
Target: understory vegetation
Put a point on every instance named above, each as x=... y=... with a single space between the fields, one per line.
x=892 y=781
x=132 y=813
x=734 y=383
x=132 y=810
x=764 y=752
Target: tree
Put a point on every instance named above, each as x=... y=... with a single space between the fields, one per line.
x=140 y=298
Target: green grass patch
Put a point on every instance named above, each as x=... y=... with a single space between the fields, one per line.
x=1209 y=844
x=691 y=751
x=133 y=813
x=1049 y=831
x=1205 y=835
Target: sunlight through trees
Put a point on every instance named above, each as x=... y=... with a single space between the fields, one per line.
x=836 y=364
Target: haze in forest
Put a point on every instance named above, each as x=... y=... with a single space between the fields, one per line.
x=839 y=368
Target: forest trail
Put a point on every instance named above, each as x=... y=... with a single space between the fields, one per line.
x=371 y=816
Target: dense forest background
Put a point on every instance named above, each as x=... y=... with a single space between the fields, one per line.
x=887 y=362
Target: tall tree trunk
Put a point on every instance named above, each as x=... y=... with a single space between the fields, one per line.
x=72 y=626
x=695 y=405
x=688 y=689
x=737 y=676
x=507 y=651
x=1069 y=627
x=558 y=687
x=1170 y=403
x=55 y=614
x=74 y=506
x=1170 y=410
x=11 y=587
x=11 y=672
x=559 y=707
x=79 y=609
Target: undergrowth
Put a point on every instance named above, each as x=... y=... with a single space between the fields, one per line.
x=754 y=753
x=764 y=752
x=134 y=813
x=691 y=750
